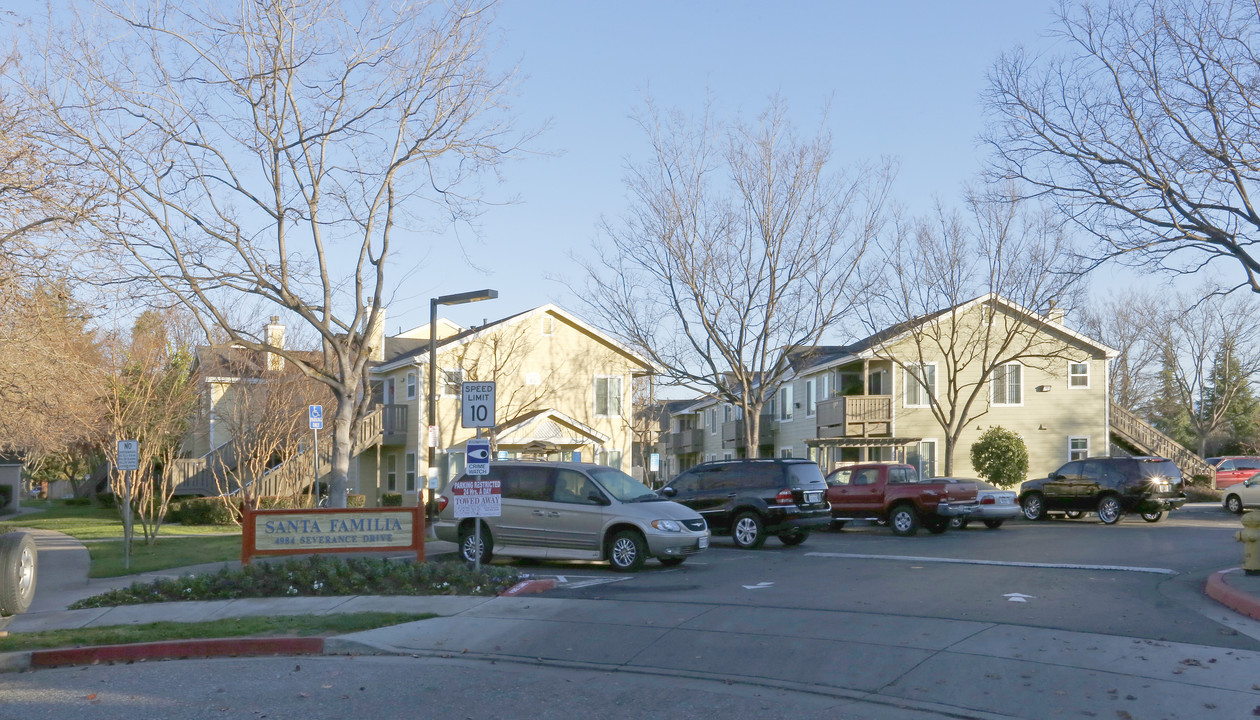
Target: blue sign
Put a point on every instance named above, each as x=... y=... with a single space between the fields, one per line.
x=478 y=456
x=315 y=413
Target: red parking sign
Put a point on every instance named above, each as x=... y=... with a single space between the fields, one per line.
x=477 y=498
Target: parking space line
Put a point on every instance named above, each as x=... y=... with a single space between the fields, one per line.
x=1010 y=563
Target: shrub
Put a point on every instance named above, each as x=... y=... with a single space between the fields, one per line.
x=391 y=499
x=108 y=500
x=356 y=501
x=6 y=495
x=77 y=502
x=204 y=511
x=1202 y=493
x=1001 y=457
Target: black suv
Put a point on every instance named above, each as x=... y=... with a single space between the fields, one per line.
x=1109 y=486
x=750 y=499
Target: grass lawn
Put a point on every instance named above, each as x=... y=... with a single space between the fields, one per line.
x=279 y=625
x=176 y=545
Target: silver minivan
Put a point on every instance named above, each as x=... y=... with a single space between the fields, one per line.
x=575 y=511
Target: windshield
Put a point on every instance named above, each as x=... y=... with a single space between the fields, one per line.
x=622 y=486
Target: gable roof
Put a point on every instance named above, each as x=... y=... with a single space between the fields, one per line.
x=400 y=352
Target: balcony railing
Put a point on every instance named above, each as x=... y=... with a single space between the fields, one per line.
x=394 y=423
x=733 y=432
x=687 y=441
x=856 y=415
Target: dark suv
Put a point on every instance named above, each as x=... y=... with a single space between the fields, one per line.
x=750 y=499
x=1109 y=486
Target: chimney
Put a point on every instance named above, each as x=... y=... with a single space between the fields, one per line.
x=273 y=334
x=1055 y=314
x=376 y=335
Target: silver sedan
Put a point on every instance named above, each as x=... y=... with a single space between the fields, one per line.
x=996 y=505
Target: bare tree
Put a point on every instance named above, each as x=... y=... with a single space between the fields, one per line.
x=1144 y=130
x=274 y=149
x=1128 y=321
x=497 y=355
x=998 y=272
x=741 y=242
x=1197 y=332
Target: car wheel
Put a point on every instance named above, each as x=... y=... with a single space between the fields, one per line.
x=18 y=565
x=1073 y=514
x=1109 y=510
x=904 y=521
x=794 y=538
x=1233 y=503
x=672 y=561
x=468 y=548
x=627 y=551
x=936 y=525
x=838 y=525
x=1152 y=516
x=959 y=523
x=1034 y=506
x=748 y=530
x=993 y=524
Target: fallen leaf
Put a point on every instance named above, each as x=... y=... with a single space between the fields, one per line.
x=92 y=696
x=326 y=686
x=303 y=695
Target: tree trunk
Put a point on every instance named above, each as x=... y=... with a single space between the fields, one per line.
x=339 y=477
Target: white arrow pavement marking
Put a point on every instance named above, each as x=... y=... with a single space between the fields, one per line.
x=1019 y=597
x=758 y=586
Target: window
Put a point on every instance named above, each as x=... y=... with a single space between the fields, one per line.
x=452 y=382
x=711 y=415
x=727 y=412
x=548 y=325
x=389 y=391
x=785 y=453
x=1078 y=448
x=1007 y=385
x=726 y=456
x=920 y=385
x=811 y=399
x=455 y=463
x=607 y=397
x=877 y=383
x=411 y=472
x=391 y=473
x=824 y=391
x=575 y=488
x=785 y=403
x=1078 y=375
x=411 y=386
x=923 y=458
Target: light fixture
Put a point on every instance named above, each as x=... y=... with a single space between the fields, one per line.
x=1041 y=426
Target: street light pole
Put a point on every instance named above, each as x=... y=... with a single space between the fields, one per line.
x=426 y=496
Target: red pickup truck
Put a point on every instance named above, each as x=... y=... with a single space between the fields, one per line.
x=894 y=493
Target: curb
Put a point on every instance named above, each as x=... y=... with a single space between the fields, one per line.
x=528 y=587
x=1232 y=598
x=167 y=650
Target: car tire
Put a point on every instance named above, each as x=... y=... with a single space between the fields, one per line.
x=627 y=551
x=993 y=524
x=794 y=538
x=1234 y=504
x=671 y=561
x=904 y=520
x=1109 y=510
x=468 y=543
x=748 y=530
x=959 y=523
x=838 y=525
x=936 y=525
x=19 y=563
x=1152 y=517
x=1034 y=506
x=1074 y=514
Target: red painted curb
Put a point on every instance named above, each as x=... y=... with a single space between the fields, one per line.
x=526 y=587
x=175 y=649
x=1232 y=598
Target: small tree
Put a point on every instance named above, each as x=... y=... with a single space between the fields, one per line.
x=1001 y=457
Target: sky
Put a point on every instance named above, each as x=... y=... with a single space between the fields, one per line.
x=903 y=79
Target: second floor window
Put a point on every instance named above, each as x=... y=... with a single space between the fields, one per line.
x=1078 y=375
x=920 y=385
x=1007 y=387
x=811 y=398
x=785 y=402
x=607 y=397
x=452 y=382
x=411 y=386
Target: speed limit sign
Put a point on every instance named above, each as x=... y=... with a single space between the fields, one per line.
x=477 y=408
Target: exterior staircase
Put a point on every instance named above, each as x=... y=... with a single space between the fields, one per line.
x=1131 y=431
x=212 y=473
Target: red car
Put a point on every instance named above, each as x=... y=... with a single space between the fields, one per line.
x=1231 y=470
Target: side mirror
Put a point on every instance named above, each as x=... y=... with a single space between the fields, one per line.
x=1054 y=476
x=598 y=498
x=669 y=492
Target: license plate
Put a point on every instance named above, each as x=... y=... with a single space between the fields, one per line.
x=704 y=543
x=813 y=497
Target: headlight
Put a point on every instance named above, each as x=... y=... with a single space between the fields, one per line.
x=667 y=525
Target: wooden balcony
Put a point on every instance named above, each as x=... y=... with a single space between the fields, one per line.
x=855 y=416
x=687 y=441
x=394 y=424
x=733 y=432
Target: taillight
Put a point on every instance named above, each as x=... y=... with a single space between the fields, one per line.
x=988 y=500
x=784 y=498
x=443 y=501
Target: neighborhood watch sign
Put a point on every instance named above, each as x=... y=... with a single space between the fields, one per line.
x=288 y=532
